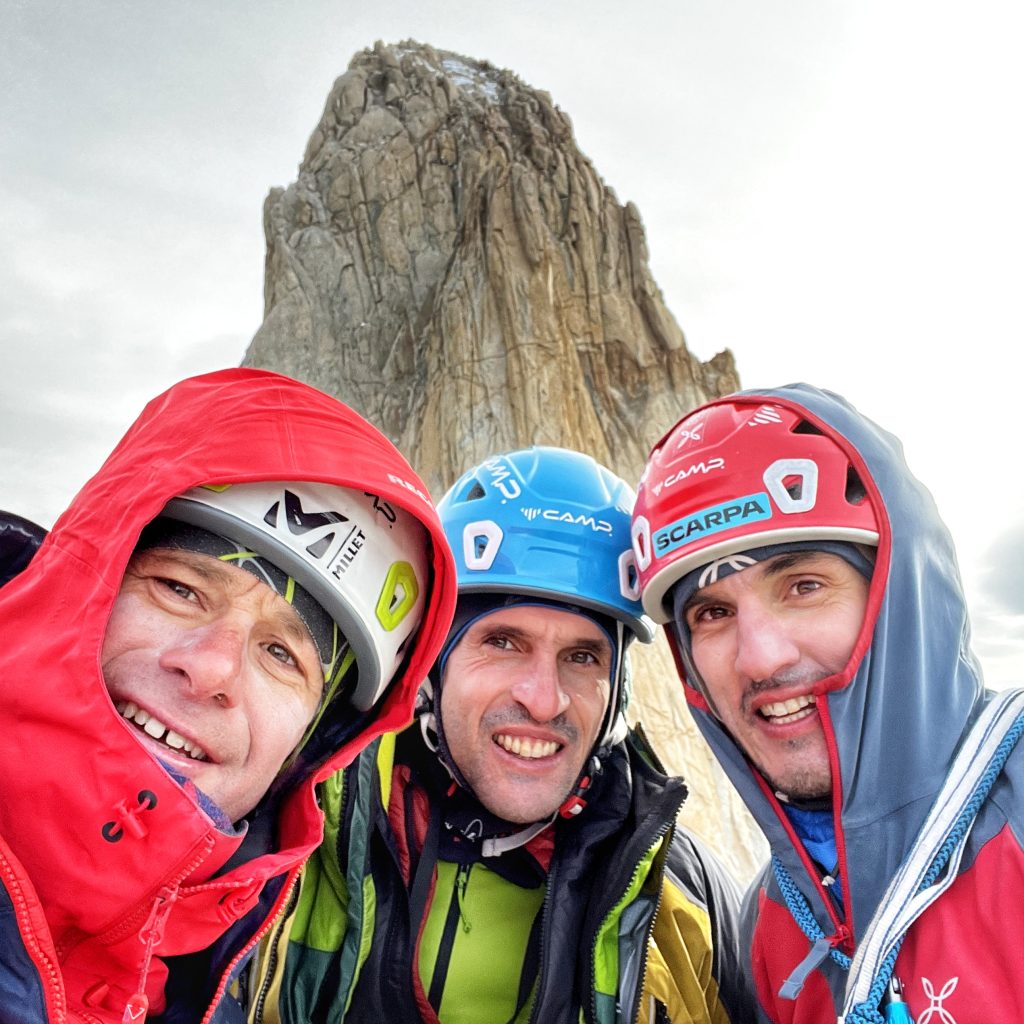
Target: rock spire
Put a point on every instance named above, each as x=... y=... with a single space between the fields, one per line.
x=449 y=264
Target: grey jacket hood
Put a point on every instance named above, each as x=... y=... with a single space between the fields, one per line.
x=894 y=716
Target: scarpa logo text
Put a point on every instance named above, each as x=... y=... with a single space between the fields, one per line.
x=750 y=509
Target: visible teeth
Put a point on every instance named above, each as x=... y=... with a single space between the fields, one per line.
x=792 y=710
x=155 y=728
x=172 y=739
x=523 y=746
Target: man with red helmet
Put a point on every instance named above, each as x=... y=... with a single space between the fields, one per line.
x=246 y=593
x=811 y=597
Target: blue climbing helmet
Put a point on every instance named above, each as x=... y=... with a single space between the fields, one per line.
x=553 y=524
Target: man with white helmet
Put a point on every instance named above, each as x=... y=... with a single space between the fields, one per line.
x=811 y=596
x=247 y=592
x=514 y=858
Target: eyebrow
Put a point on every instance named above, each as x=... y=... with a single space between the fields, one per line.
x=698 y=600
x=188 y=559
x=293 y=626
x=595 y=645
x=775 y=566
x=782 y=563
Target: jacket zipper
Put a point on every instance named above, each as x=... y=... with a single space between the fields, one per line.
x=646 y=952
x=448 y=935
x=254 y=941
x=268 y=979
x=49 y=974
x=138 y=917
x=659 y=834
x=151 y=933
x=668 y=810
x=544 y=936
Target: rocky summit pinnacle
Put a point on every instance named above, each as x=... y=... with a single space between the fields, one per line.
x=452 y=266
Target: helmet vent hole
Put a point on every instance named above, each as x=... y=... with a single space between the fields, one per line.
x=476 y=491
x=794 y=486
x=856 y=492
x=803 y=427
x=397 y=597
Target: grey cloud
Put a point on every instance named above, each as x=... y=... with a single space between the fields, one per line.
x=1001 y=571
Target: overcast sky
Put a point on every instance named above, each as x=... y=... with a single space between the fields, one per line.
x=832 y=190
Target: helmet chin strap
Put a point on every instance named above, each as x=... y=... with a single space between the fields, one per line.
x=613 y=730
x=496 y=845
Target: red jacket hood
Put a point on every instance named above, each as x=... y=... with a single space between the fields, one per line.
x=72 y=767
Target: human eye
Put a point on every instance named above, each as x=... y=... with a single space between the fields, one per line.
x=291 y=665
x=583 y=657
x=296 y=667
x=176 y=587
x=501 y=641
x=806 y=585
x=283 y=654
x=698 y=615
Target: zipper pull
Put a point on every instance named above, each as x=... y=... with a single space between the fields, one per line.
x=461 y=881
x=135 y=1009
x=896 y=1010
x=151 y=934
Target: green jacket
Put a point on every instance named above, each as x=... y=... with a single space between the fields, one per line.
x=632 y=920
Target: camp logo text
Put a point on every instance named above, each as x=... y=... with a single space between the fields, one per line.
x=751 y=509
x=502 y=478
x=558 y=516
x=705 y=467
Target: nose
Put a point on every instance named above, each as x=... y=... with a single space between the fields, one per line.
x=209 y=658
x=764 y=646
x=539 y=689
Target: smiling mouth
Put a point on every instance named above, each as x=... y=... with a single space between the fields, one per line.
x=785 y=712
x=523 y=746
x=156 y=730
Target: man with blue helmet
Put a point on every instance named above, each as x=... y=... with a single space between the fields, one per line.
x=513 y=856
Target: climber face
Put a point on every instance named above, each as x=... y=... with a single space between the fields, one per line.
x=214 y=671
x=524 y=693
x=761 y=639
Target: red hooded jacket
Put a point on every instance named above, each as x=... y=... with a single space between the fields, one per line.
x=108 y=866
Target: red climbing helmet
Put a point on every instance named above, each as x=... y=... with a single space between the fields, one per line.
x=737 y=474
